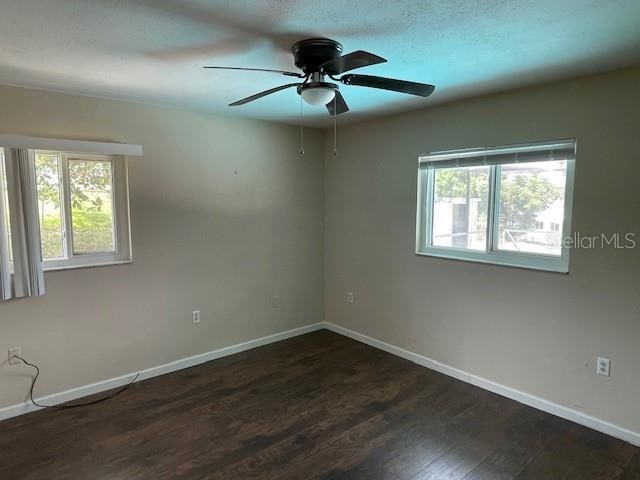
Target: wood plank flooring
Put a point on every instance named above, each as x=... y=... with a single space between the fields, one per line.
x=319 y=406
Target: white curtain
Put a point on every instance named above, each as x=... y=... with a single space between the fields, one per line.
x=28 y=277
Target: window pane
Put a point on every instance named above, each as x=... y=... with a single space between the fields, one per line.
x=91 y=190
x=532 y=207
x=50 y=205
x=460 y=207
x=4 y=193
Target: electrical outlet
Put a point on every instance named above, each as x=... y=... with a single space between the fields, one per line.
x=195 y=317
x=603 y=366
x=12 y=354
x=350 y=297
x=275 y=302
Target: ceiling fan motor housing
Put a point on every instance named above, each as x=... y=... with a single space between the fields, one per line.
x=311 y=85
x=311 y=53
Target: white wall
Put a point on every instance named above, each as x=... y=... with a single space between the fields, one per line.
x=225 y=215
x=534 y=331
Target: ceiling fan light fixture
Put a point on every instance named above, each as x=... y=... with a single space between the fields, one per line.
x=318 y=95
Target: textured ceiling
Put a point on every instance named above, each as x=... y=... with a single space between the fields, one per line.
x=153 y=50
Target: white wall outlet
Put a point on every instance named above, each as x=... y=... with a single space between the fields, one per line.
x=12 y=356
x=350 y=297
x=603 y=366
x=195 y=317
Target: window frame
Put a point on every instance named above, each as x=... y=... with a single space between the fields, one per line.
x=491 y=254
x=122 y=253
x=5 y=244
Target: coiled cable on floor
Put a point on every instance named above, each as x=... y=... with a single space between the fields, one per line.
x=93 y=402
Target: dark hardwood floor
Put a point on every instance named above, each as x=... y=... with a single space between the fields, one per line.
x=319 y=406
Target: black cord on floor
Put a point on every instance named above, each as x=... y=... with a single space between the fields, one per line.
x=93 y=402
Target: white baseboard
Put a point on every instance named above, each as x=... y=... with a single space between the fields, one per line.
x=83 y=391
x=517 y=395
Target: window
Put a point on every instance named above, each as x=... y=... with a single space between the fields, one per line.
x=461 y=197
x=4 y=214
x=60 y=208
x=492 y=205
x=83 y=208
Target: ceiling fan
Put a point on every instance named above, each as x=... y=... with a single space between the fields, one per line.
x=319 y=58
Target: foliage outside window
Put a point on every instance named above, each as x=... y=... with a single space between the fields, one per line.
x=504 y=205
x=83 y=207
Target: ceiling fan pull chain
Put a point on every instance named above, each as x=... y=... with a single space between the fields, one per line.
x=301 y=151
x=335 y=126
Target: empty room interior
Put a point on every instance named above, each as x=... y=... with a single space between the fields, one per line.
x=319 y=240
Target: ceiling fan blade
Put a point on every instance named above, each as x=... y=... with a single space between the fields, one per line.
x=402 y=86
x=351 y=61
x=283 y=72
x=340 y=105
x=262 y=94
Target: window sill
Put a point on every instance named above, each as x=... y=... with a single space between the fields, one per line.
x=521 y=261
x=85 y=265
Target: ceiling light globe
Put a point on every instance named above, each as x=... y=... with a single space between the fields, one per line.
x=318 y=95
